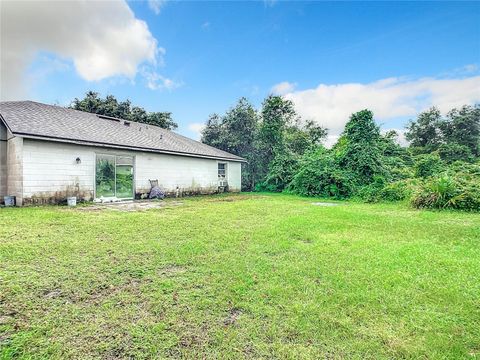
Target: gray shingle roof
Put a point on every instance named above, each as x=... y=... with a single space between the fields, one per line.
x=32 y=119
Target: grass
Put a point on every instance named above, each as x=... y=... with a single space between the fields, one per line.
x=240 y=276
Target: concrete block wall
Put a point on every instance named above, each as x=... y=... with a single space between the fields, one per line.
x=188 y=174
x=234 y=171
x=15 y=168
x=3 y=161
x=50 y=171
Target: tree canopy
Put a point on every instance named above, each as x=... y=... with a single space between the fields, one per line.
x=110 y=106
x=272 y=140
x=440 y=167
x=455 y=136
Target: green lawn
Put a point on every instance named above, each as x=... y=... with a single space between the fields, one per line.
x=240 y=276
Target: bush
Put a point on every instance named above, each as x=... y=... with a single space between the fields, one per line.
x=427 y=165
x=460 y=191
x=320 y=175
x=453 y=152
x=398 y=190
x=280 y=173
x=371 y=192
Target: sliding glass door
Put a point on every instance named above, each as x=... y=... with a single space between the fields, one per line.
x=114 y=176
x=124 y=177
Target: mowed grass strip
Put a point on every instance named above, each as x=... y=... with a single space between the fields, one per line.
x=240 y=276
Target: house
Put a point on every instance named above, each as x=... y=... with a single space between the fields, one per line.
x=49 y=152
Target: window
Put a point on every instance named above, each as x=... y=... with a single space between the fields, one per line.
x=222 y=170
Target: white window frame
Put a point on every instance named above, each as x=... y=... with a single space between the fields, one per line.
x=225 y=169
x=115 y=155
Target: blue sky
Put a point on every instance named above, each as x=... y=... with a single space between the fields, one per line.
x=331 y=58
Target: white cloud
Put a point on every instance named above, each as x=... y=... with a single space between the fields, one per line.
x=470 y=68
x=103 y=39
x=391 y=98
x=206 y=25
x=269 y=3
x=283 y=88
x=197 y=129
x=156 y=81
x=156 y=5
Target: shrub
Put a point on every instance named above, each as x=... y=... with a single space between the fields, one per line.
x=360 y=150
x=398 y=190
x=320 y=175
x=280 y=173
x=427 y=165
x=460 y=191
x=371 y=192
x=453 y=152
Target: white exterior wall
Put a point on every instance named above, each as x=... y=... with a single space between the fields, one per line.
x=3 y=161
x=50 y=171
x=15 y=168
x=234 y=171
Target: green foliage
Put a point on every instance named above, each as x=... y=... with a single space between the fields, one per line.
x=462 y=127
x=272 y=140
x=458 y=191
x=454 y=152
x=397 y=191
x=284 y=153
x=320 y=174
x=282 y=141
x=427 y=165
x=280 y=173
x=372 y=191
x=425 y=131
x=456 y=136
x=361 y=150
x=110 y=106
x=236 y=132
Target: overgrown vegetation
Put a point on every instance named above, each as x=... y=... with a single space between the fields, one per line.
x=439 y=169
x=110 y=106
x=257 y=276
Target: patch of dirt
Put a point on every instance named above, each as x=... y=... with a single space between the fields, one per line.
x=232 y=316
x=104 y=291
x=4 y=320
x=172 y=270
x=129 y=206
x=302 y=239
x=233 y=198
x=53 y=294
x=324 y=204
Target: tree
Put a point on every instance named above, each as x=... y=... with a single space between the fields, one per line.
x=213 y=133
x=276 y=115
x=360 y=149
x=110 y=106
x=236 y=133
x=455 y=137
x=462 y=127
x=424 y=133
x=272 y=141
x=319 y=174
